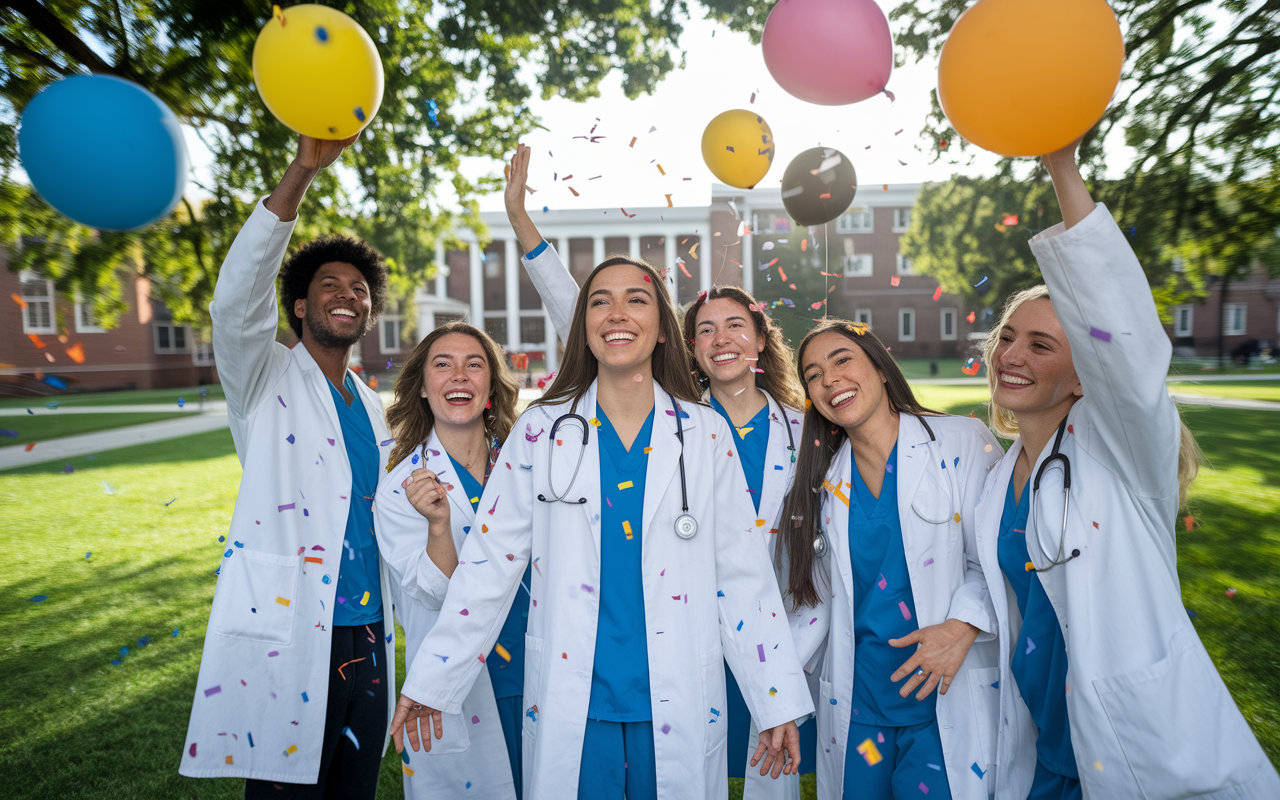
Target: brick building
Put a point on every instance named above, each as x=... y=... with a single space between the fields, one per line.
x=1249 y=312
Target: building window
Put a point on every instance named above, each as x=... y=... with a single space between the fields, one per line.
x=86 y=319
x=863 y=315
x=170 y=338
x=773 y=223
x=1182 y=318
x=493 y=265
x=202 y=353
x=901 y=220
x=1234 y=319
x=948 y=326
x=906 y=325
x=1177 y=265
x=389 y=332
x=857 y=265
x=904 y=265
x=855 y=220
x=497 y=328
x=533 y=330
x=37 y=295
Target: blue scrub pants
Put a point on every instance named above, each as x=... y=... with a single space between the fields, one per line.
x=911 y=763
x=509 y=711
x=618 y=761
x=1047 y=785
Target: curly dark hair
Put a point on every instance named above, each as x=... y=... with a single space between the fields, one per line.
x=298 y=271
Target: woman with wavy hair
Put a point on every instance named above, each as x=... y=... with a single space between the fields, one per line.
x=1105 y=688
x=625 y=495
x=455 y=404
x=877 y=554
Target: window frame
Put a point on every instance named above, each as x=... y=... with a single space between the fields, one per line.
x=898 y=226
x=382 y=334
x=903 y=313
x=1178 y=329
x=903 y=264
x=80 y=306
x=172 y=350
x=26 y=277
x=860 y=258
x=942 y=323
x=871 y=220
x=862 y=315
x=1228 y=311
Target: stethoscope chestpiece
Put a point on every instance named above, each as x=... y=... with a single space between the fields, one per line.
x=686 y=526
x=820 y=545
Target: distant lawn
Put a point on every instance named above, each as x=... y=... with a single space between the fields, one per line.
x=72 y=725
x=1244 y=390
x=191 y=394
x=43 y=427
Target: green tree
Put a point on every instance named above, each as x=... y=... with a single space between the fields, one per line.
x=196 y=56
x=786 y=265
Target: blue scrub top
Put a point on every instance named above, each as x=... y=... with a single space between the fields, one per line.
x=753 y=443
x=1040 y=655
x=884 y=607
x=507 y=677
x=358 y=564
x=620 y=680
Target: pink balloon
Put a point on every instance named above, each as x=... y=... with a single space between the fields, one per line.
x=828 y=52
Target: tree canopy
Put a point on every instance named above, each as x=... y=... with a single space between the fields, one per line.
x=478 y=60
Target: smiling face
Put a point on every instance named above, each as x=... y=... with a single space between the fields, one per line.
x=845 y=387
x=455 y=380
x=1032 y=361
x=724 y=339
x=336 y=310
x=622 y=322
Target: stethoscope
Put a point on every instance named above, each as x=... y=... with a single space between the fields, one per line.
x=820 y=541
x=1054 y=455
x=686 y=526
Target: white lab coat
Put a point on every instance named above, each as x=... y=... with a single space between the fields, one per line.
x=946 y=583
x=469 y=759
x=559 y=293
x=706 y=599
x=1149 y=715
x=264 y=674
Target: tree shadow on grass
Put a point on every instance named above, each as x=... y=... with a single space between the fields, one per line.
x=209 y=445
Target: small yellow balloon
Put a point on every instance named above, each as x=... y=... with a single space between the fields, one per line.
x=738 y=148
x=1029 y=77
x=318 y=71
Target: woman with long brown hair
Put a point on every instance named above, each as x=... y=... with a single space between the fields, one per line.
x=625 y=495
x=876 y=552
x=455 y=404
x=1105 y=687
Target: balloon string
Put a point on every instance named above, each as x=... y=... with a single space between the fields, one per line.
x=826 y=293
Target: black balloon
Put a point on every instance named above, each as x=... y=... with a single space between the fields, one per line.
x=818 y=186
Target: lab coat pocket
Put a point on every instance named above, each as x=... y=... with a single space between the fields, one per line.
x=984 y=700
x=711 y=667
x=532 y=685
x=827 y=713
x=1171 y=720
x=255 y=597
x=455 y=739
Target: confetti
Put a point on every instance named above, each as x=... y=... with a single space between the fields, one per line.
x=211 y=691
x=1229 y=593
x=1012 y=219
x=1099 y=334
x=895 y=280
x=1031 y=646
x=870 y=753
x=669 y=204
x=977 y=771
x=502 y=653
x=937 y=293
x=760 y=650
x=906 y=612
x=971 y=317
x=1189 y=522
x=979 y=283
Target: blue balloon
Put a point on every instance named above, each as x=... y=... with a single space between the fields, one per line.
x=104 y=151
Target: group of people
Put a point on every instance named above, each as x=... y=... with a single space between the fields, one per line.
x=700 y=554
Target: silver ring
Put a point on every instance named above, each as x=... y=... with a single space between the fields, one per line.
x=920 y=670
x=417 y=707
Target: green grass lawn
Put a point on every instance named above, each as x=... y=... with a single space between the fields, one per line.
x=42 y=427
x=1244 y=390
x=72 y=725
x=191 y=394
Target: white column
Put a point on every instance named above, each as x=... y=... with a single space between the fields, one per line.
x=597 y=250
x=512 y=259
x=672 y=270
x=442 y=270
x=748 y=257
x=477 y=285
x=633 y=246
x=705 y=257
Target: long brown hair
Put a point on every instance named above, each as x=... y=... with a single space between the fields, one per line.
x=802 y=510
x=1005 y=423
x=777 y=378
x=409 y=417
x=579 y=367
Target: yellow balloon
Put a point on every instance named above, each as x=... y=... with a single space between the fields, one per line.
x=738 y=148
x=1028 y=77
x=318 y=71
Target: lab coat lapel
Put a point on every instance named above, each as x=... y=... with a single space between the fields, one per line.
x=914 y=457
x=664 y=459
x=320 y=385
x=837 y=488
x=774 y=486
x=566 y=445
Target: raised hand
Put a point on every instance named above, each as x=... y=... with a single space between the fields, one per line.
x=313 y=156
x=780 y=748
x=940 y=652
x=408 y=718
x=428 y=495
x=316 y=154
x=517 y=173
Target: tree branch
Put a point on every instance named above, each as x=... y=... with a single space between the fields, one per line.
x=43 y=20
x=124 y=38
x=38 y=59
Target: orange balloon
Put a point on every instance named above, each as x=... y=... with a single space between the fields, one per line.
x=1028 y=77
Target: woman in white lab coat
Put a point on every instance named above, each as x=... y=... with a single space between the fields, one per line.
x=740 y=355
x=621 y=491
x=1105 y=688
x=455 y=403
x=877 y=551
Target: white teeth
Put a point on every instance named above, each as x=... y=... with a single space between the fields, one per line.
x=840 y=398
x=1015 y=380
x=344 y=312
x=619 y=335
x=458 y=396
x=724 y=357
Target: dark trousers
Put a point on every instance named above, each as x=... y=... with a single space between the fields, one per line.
x=355 y=723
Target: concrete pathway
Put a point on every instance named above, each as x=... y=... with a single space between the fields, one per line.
x=215 y=406
x=1225 y=402
x=85 y=444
